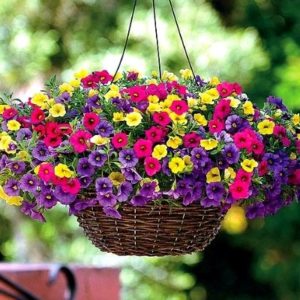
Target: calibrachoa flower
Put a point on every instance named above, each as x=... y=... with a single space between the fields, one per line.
x=138 y=139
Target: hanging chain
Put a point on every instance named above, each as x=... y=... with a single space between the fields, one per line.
x=182 y=41
x=127 y=38
x=156 y=37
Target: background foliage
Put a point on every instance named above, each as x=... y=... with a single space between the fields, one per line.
x=255 y=42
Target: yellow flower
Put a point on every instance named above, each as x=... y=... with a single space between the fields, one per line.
x=213 y=93
x=153 y=99
x=62 y=170
x=234 y=103
x=160 y=151
x=192 y=102
x=75 y=83
x=177 y=165
x=296 y=119
x=92 y=93
x=188 y=163
x=167 y=76
x=248 y=108
x=114 y=92
x=99 y=140
x=203 y=107
x=66 y=87
x=235 y=221
x=293 y=156
x=249 y=165
x=206 y=99
x=298 y=136
x=169 y=100
x=118 y=117
x=213 y=175
x=178 y=119
x=13 y=125
x=118 y=76
x=116 y=178
x=154 y=107
x=209 y=144
x=214 y=81
x=57 y=110
x=81 y=74
x=23 y=155
x=154 y=74
x=229 y=173
x=278 y=113
x=5 y=140
x=40 y=100
x=11 y=200
x=174 y=142
x=200 y=119
x=133 y=119
x=3 y=107
x=151 y=81
x=266 y=127
x=186 y=74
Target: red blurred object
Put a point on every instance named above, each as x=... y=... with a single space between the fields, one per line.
x=92 y=283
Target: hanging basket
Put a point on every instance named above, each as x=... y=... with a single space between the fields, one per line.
x=152 y=230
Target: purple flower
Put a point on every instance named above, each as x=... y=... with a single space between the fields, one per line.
x=63 y=98
x=123 y=105
x=199 y=157
x=46 y=199
x=97 y=158
x=256 y=210
x=148 y=189
x=111 y=212
x=223 y=136
x=182 y=187
x=18 y=167
x=12 y=188
x=27 y=208
x=29 y=183
x=63 y=197
x=105 y=129
x=124 y=191
x=94 y=102
x=78 y=206
x=85 y=181
x=84 y=167
x=128 y=158
x=165 y=166
x=222 y=163
x=103 y=185
x=24 y=134
x=234 y=123
x=194 y=194
x=272 y=160
x=143 y=105
x=200 y=81
x=131 y=175
x=215 y=191
x=4 y=160
x=139 y=200
x=41 y=152
x=277 y=102
x=107 y=199
x=231 y=153
x=207 y=202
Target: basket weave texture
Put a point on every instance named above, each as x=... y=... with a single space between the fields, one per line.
x=152 y=230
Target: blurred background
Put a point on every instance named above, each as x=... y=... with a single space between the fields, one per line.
x=255 y=42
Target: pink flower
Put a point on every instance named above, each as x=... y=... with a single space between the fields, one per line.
x=294 y=178
x=52 y=141
x=91 y=120
x=244 y=176
x=225 y=89
x=65 y=129
x=9 y=113
x=80 y=141
x=256 y=147
x=239 y=190
x=46 y=172
x=242 y=140
x=263 y=168
x=90 y=81
x=37 y=116
x=102 y=76
x=236 y=88
x=155 y=134
x=191 y=140
x=71 y=186
x=152 y=166
x=280 y=132
x=216 y=126
x=286 y=142
x=222 y=109
x=136 y=93
x=143 y=148
x=161 y=118
x=179 y=107
x=120 y=140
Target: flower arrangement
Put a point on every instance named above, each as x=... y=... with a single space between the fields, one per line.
x=138 y=140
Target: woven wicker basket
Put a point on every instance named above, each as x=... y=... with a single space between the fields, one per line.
x=152 y=230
